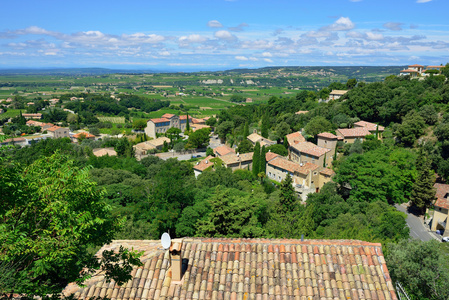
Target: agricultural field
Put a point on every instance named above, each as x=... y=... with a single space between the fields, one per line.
x=201 y=94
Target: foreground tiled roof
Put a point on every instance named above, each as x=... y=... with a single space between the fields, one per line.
x=353 y=132
x=415 y=65
x=408 y=71
x=168 y=116
x=327 y=171
x=441 y=192
x=84 y=134
x=232 y=158
x=254 y=137
x=368 y=125
x=159 y=141
x=252 y=269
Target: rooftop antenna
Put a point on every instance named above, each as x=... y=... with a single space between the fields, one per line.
x=166 y=240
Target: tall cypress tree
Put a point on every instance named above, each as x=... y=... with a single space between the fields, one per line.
x=245 y=130
x=188 y=124
x=265 y=126
x=263 y=160
x=423 y=192
x=256 y=159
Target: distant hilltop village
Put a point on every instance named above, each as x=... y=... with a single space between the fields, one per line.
x=416 y=70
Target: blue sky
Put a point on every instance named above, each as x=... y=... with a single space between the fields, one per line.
x=218 y=34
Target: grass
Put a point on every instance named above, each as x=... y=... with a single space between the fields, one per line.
x=114 y=120
x=10 y=113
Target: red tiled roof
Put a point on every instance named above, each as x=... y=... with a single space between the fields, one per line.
x=415 y=65
x=204 y=164
x=159 y=120
x=353 y=132
x=435 y=67
x=292 y=167
x=254 y=137
x=327 y=135
x=295 y=137
x=168 y=116
x=409 y=71
x=327 y=171
x=441 y=192
x=223 y=150
x=54 y=128
x=86 y=135
x=270 y=155
x=310 y=149
x=368 y=125
x=250 y=269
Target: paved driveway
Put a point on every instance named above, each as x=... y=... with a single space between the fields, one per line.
x=417 y=229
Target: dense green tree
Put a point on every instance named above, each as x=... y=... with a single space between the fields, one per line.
x=48 y=222
x=211 y=122
x=199 y=138
x=412 y=127
x=263 y=160
x=245 y=146
x=423 y=192
x=123 y=147
x=351 y=83
x=256 y=159
x=421 y=267
x=233 y=214
x=187 y=123
x=265 y=126
x=139 y=124
x=318 y=125
x=278 y=149
x=245 y=130
x=224 y=129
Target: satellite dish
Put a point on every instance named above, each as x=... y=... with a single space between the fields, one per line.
x=166 y=240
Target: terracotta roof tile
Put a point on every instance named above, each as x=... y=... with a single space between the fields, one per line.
x=168 y=116
x=441 y=191
x=369 y=126
x=408 y=71
x=223 y=150
x=310 y=149
x=327 y=135
x=353 y=132
x=204 y=164
x=159 y=120
x=251 y=269
x=295 y=137
x=327 y=171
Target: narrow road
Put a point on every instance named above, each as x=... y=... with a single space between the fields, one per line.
x=417 y=229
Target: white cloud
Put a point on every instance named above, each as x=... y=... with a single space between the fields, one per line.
x=241 y=58
x=224 y=35
x=267 y=54
x=342 y=24
x=164 y=53
x=193 y=38
x=374 y=36
x=268 y=60
x=214 y=24
x=423 y=1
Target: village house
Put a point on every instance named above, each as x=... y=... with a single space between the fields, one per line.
x=304 y=176
x=307 y=152
x=295 y=138
x=82 y=135
x=167 y=121
x=349 y=135
x=37 y=116
x=17 y=141
x=440 y=214
x=223 y=150
x=336 y=94
x=98 y=152
x=254 y=138
x=372 y=128
x=325 y=176
x=238 y=161
x=328 y=140
x=58 y=132
x=245 y=268
x=203 y=165
x=144 y=148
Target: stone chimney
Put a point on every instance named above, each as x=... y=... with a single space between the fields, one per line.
x=176 y=259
